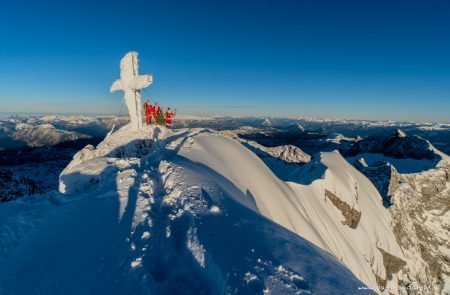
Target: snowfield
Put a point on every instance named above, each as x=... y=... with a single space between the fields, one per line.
x=162 y=212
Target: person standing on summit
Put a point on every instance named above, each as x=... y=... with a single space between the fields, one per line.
x=148 y=112
x=156 y=110
x=169 y=116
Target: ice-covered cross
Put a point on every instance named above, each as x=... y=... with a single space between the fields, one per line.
x=131 y=83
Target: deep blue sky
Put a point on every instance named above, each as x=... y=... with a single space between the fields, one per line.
x=353 y=59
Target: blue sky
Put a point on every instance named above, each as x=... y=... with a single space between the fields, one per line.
x=351 y=59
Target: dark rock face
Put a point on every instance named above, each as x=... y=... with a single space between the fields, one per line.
x=396 y=145
x=392 y=264
x=352 y=216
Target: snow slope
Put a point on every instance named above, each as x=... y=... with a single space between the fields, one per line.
x=361 y=246
x=159 y=212
x=305 y=210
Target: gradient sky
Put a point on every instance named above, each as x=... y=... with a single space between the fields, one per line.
x=347 y=59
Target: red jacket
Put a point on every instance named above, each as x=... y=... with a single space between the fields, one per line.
x=148 y=109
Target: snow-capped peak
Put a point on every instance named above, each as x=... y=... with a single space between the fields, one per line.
x=266 y=122
x=400 y=133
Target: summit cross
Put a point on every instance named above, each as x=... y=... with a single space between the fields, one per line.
x=131 y=83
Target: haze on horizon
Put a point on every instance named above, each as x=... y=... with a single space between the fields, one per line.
x=347 y=59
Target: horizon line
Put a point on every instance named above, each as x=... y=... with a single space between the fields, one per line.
x=305 y=118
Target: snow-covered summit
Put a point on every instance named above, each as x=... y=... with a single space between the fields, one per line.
x=340 y=211
x=160 y=212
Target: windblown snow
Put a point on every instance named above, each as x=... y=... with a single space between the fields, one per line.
x=187 y=212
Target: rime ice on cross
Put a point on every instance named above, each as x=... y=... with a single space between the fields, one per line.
x=131 y=83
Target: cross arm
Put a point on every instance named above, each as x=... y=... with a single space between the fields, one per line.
x=139 y=82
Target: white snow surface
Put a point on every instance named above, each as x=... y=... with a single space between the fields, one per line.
x=302 y=208
x=189 y=212
x=357 y=248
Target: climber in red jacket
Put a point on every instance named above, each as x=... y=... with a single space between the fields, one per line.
x=169 y=116
x=148 y=112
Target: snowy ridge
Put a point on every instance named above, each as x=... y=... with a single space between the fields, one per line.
x=258 y=186
x=304 y=209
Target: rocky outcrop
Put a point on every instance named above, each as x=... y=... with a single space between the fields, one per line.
x=420 y=214
x=392 y=264
x=420 y=209
x=351 y=216
x=383 y=175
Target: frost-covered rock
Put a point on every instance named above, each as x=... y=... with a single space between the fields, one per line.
x=91 y=166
